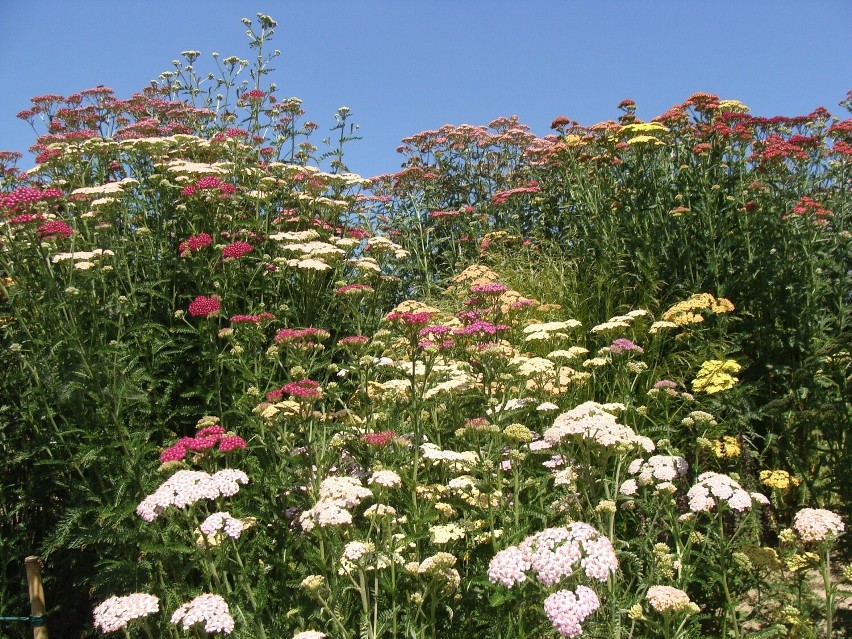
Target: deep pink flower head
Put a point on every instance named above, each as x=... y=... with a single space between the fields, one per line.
x=303 y=389
x=195 y=242
x=203 y=306
x=54 y=229
x=410 y=319
x=236 y=250
x=491 y=288
x=353 y=341
x=231 y=442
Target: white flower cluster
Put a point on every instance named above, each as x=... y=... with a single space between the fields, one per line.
x=459 y=461
x=713 y=488
x=591 y=421
x=186 y=487
x=817 y=524
x=211 y=610
x=385 y=478
x=336 y=496
x=115 y=613
x=660 y=470
x=223 y=521
x=378 y=244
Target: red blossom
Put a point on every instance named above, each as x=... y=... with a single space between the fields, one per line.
x=54 y=229
x=236 y=250
x=195 y=242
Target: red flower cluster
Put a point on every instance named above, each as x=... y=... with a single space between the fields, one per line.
x=236 y=250
x=353 y=340
x=807 y=206
x=195 y=242
x=205 y=439
x=203 y=306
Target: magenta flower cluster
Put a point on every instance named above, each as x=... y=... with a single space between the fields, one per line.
x=205 y=439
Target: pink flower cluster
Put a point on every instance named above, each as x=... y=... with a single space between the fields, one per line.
x=624 y=345
x=659 y=469
x=186 y=487
x=236 y=250
x=24 y=197
x=209 y=183
x=251 y=319
x=501 y=197
x=715 y=488
x=211 y=610
x=354 y=289
x=116 y=612
x=553 y=554
x=54 y=229
x=480 y=327
x=410 y=319
x=379 y=439
x=491 y=288
x=304 y=335
x=205 y=439
x=203 y=306
x=302 y=389
x=194 y=242
x=567 y=610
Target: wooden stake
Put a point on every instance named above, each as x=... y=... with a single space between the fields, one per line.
x=36 y=590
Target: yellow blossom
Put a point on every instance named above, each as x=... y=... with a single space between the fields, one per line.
x=715 y=375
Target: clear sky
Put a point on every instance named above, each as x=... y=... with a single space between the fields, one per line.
x=403 y=66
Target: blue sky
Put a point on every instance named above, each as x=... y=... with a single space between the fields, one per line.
x=403 y=66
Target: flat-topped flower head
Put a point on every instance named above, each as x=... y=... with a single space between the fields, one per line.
x=203 y=306
x=209 y=611
x=116 y=612
x=817 y=524
x=714 y=489
x=666 y=599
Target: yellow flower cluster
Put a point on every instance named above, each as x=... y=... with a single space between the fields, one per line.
x=780 y=479
x=727 y=447
x=716 y=375
x=689 y=311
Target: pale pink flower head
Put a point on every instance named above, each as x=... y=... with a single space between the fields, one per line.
x=666 y=599
x=817 y=524
x=116 y=612
x=310 y=634
x=713 y=489
x=210 y=610
x=567 y=610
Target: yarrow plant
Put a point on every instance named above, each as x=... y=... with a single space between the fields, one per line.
x=423 y=378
